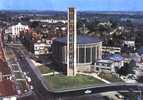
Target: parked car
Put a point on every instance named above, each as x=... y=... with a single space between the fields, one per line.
x=119 y=96
x=131 y=76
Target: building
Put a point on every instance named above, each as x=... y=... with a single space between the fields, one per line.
x=109 y=65
x=129 y=43
x=76 y=53
x=88 y=50
x=117 y=59
x=106 y=66
x=7 y=83
x=41 y=48
x=71 y=43
x=53 y=21
x=140 y=51
x=111 y=50
x=15 y=30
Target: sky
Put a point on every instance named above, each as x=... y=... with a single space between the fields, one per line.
x=82 y=5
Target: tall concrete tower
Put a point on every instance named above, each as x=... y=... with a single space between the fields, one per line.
x=71 y=43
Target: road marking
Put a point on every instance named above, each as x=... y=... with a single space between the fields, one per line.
x=20 y=79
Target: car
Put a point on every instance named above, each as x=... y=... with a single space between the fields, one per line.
x=19 y=92
x=13 y=64
x=119 y=96
x=31 y=87
x=24 y=73
x=87 y=91
x=28 y=79
x=131 y=76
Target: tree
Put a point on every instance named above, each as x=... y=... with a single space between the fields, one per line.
x=9 y=38
x=127 y=68
x=122 y=71
x=79 y=24
x=131 y=67
x=34 y=24
x=140 y=79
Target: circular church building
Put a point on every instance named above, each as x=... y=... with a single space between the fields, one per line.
x=89 y=49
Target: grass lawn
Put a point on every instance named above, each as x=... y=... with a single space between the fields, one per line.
x=58 y=82
x=18 y=75
x=110 y=77
x=44 y=69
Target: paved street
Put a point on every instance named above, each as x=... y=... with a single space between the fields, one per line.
x=22 y=85
x=25 y=67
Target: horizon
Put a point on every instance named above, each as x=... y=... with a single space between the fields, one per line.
x=62 y=5
x=30 y=10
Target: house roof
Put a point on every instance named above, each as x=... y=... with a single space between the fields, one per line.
x=116 y=57
x=7 y=88
x=81 y=39
x=140 y=51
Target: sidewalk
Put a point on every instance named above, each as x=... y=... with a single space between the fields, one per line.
x=96 y=76
x=51 y=73
x=111 y=95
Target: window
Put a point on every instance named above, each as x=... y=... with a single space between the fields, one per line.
x=77 y=55
x=81 y=55
x=97 y=68
x=93 y=54
x=88 y=53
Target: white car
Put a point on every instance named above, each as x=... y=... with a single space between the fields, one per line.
x=31 y=87
x=119 y=96
x=87 y=91
x=28 y=79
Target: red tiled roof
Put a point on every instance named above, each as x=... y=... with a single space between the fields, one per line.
x=4 y=69
x=7 y=88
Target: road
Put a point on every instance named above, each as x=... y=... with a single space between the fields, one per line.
x=26 y=68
